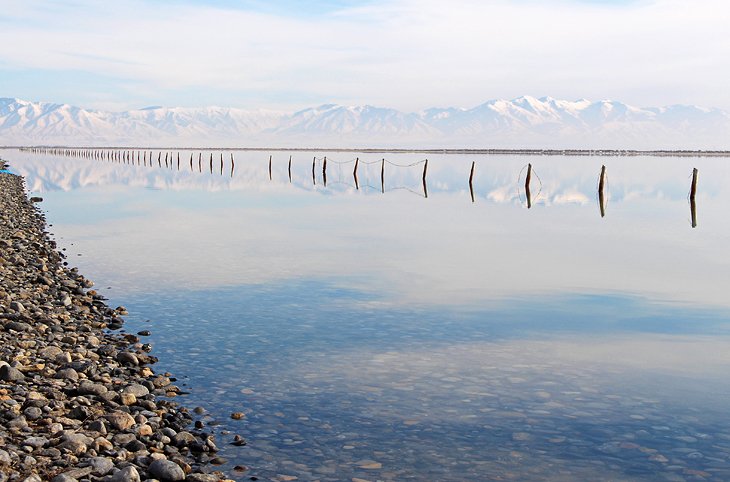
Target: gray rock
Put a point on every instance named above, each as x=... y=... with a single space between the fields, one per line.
x=35 y=442
x=33 y=413
x=4 y=457
x=182 y=439
x=10 y=374
x=120 y=420
x=127 y=474
x=128 y=358
x=77 y=437
x=80 y=473
x=18 y=326
x=50 y=352
x=17 y=306
x=136 y=389
x=68 y=374
x=98 y=426
x=33 y=478
x=123 y=438
x=100 y=465
x=89 y=388
x=64 y=478
x=75 y=443
x=166 y=470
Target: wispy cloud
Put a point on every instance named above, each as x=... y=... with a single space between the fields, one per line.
x=402 y=53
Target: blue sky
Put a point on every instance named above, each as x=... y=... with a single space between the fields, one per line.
x=407 y=54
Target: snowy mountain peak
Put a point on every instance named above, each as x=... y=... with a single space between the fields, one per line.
x=525 y=121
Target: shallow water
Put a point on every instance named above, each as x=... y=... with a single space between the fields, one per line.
x=387 y=332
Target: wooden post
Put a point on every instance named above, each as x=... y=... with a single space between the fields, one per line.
x=527 y=185
x=191 y=161
x=693 y=189
x=324 y=171
x=692 y=202
x=601 y=191
x=270 y=176
x=314 y=179
x=178 y=160
x=471 y=178
x=382 y=176
x=425 y=190
x=290 y=169
x=211 y=163
x=200 y=162
x=354 y=173
x=159 y=155
x=221 y=163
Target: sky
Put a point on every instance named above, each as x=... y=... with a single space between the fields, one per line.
x=405 y=54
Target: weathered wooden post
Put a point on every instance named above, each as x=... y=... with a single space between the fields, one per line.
x=324 y=171
x=290 y=169
x=159 y=163
x=354 y=173
x=527 y=185
x=221 y=163
x=211 y=163
x=601 y=191
x=692 y=202
x=382 y=176
x=314 y=178
x=270 y=176
x=471 y=178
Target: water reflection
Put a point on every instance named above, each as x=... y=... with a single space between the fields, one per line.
x=386 y=337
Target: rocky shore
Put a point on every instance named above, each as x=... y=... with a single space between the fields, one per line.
x=79 y=402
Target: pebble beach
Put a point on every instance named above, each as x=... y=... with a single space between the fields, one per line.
x=79 y=398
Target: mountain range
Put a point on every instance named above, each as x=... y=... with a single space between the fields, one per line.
x=524 y=122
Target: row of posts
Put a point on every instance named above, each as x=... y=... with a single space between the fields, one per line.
x=141 y=157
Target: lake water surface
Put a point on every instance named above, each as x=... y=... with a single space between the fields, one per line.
x=387 y=332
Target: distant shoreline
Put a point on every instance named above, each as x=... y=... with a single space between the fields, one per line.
x=501 y=152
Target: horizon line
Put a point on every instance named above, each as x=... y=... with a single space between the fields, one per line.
x=480 y=151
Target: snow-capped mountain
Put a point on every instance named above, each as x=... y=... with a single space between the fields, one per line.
x=521 y=122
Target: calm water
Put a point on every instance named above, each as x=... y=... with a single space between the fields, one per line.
x=411 y=335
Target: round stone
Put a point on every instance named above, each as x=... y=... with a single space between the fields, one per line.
x=166 y=471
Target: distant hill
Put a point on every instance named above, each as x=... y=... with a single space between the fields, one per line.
x=522 y=122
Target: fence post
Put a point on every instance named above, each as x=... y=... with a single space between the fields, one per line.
x=527 y=185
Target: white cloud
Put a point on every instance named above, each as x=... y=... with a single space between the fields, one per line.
x=402 y=53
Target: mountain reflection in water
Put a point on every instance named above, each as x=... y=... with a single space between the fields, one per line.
x=380 y=328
